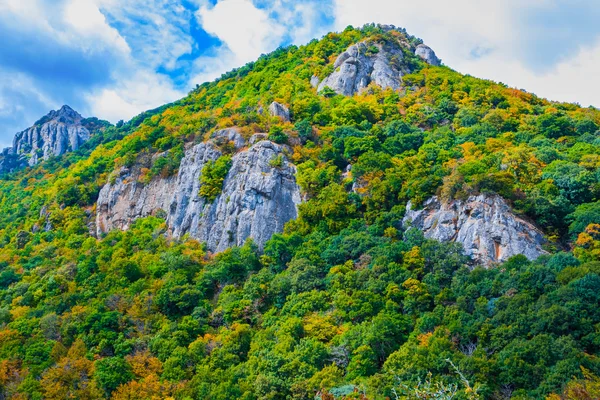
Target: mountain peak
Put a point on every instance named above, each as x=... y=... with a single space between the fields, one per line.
x=65 y=114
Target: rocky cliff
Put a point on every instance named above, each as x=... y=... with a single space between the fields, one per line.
x=485 y=225
x=367 y=62
x=56 y=133
x=259 y=196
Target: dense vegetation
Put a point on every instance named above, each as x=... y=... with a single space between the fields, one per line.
x=343 y=303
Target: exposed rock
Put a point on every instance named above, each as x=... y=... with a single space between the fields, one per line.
x=22 y=238
x=314 y=81
x=367 y=62
x=279 y=110
x=55 y=134
x=123 y=201
x=44 y=213
x=229 y=135
x=485 y=225
x=347 y=172
x=363 y=63
x=257 y=137
x=58 y=132
x=427 y=55
x=10 y=162
x=256 y=201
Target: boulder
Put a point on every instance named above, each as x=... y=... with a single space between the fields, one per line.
x=279 y=110
x=229 y=135
x=427 y=55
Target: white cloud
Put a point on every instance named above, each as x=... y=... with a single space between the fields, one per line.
x=158 y=31
x=112 y=58
x=571 y=80
x=18 y=95
x=140 y=92
x=87 y=22
x=246 y=30
x=74 y=56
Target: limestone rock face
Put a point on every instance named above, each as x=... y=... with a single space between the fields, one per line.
x=279 y=110
x=258 y=198
x=367 y=62
x=485 y=225
x=57 y=133
x=427 y=55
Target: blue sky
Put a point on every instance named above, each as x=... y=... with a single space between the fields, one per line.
x=115 y=58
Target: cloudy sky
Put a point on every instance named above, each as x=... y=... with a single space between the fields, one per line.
x=115 y=58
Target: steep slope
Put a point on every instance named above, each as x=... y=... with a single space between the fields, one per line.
x=107 y=291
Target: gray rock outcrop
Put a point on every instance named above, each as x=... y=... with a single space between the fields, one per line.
x=279 y=110
x=367 y=62
x=257 y=199
x=57 y=133
x=485 y=225
x=427 y=54
x=229 y=135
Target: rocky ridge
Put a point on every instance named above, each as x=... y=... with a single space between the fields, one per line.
x=259 y=196
x=57 y=133
x=485 y=225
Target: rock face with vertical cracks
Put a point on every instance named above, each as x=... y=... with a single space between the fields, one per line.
x=57 y=133
x=259 y=196
x=485 y=225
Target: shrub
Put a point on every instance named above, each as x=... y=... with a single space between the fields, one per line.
x=213 y=175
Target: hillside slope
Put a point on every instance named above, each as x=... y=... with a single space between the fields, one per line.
x=247 y=241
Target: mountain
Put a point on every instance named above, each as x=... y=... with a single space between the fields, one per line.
x=58 y=132
x=346 y=219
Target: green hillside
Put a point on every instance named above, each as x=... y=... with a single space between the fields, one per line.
x=344 y=303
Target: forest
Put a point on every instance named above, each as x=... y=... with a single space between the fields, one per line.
x=344 y=303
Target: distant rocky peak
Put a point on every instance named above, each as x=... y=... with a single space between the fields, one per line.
x=58 y=132
x=65 y=115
